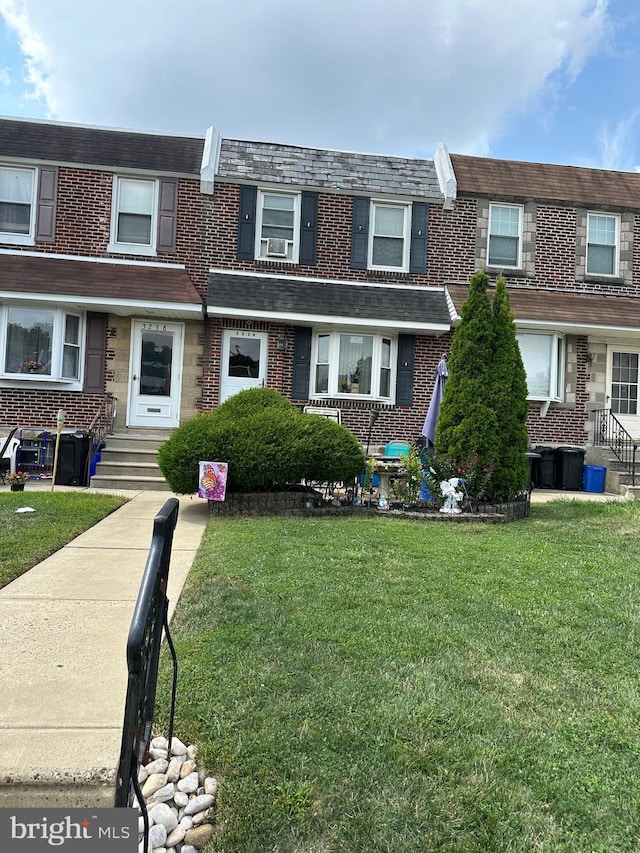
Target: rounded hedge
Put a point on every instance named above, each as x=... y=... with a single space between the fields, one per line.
x=267 y=443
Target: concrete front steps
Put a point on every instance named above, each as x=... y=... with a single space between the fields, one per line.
x=130 y=461
x=618 y=479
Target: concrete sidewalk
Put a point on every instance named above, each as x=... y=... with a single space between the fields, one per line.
x=63 y=671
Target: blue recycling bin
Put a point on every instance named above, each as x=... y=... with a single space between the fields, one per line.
x=593 y=477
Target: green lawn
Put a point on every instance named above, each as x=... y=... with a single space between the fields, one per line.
x=377 y=684
x=27 y=538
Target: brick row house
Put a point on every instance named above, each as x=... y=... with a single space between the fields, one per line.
x=172 y=272
x=102 y=275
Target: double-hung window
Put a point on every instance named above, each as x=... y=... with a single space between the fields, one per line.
x=353 y=363
x=38 y=342
x=17 y=205
x=543 y=356
x=133 y=216
x=602 y=244
x=389 y=236
x=505 y=236
x=278 y=226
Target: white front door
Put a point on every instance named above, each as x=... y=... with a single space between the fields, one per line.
x=622 y=387
x=155 y=376
x=244 y=361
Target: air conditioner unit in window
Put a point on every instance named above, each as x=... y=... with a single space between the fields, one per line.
x=276 y=247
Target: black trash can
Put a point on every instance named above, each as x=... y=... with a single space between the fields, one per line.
x=569 y=465
x=544 y=468
x=73 y=457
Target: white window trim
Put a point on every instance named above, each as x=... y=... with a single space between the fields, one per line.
x=133 y=248
x=39 y=380
x=616 y=247
x=556 y=365
x=520 y=209
x=334 y=358
x=23 y=239
x=406 y=246
x=294 y=259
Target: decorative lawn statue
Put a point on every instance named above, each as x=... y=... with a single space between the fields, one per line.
x=452 y=496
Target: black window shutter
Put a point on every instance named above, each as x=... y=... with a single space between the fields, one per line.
x=301 y=363
x=419 y=226
x=404 y=380
x=167 y=214
x=46 y=204
x=360 y=233
x=95 y=354
x=247 y=223
x=308 y=228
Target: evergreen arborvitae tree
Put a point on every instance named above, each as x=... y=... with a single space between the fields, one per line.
x=467 y=423
x=511 y=467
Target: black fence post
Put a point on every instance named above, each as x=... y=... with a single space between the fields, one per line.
x=150 y=618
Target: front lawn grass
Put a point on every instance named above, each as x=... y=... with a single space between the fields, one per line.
x=27 y=538
x=377 y=684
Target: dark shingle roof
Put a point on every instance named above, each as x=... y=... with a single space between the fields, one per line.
x=332 y=170
x=92 y=146
x=540 y=181
x=313 y=300
x=109 y=283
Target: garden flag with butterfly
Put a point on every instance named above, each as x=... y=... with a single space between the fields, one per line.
x=212 y=480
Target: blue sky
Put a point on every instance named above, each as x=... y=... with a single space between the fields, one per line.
x=539 y=80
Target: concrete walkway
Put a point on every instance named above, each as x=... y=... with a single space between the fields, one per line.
x=63 y=672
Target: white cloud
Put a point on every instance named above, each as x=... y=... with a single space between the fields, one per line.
x=616 y=144
x=354 y=74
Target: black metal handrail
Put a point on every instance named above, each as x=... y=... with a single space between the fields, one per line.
x=100 y=427
x=150 y=619
x=609 y=432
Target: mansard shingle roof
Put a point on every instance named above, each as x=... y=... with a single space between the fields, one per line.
x=566 y=310
x=513 y=179
x=87 y=282
x=305 y=300
x=93 y=146
x=342 y=171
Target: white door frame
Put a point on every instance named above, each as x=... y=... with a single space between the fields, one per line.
x=630 y=422
x=151 y=410
x=230 y=385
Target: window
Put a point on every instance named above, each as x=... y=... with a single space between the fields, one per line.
x=353 y=363
x=543 y=357
x=133 y=222
x=505 y=236
x=624 y=383
x=602 y=244
x=388 y=240
x=278 y=226
x=40 y=342
x=17 y=187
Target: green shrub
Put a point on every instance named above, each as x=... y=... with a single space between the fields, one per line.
x=267 y=443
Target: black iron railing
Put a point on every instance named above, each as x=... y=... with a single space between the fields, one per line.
x=149 y=621
x=100 y=427
x=609 y=432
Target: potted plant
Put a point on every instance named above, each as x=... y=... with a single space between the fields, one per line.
x=17 y=480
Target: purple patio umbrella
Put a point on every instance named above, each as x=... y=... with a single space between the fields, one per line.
x=429 y=428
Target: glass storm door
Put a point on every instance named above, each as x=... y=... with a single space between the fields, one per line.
x=622 y=387
x=156 y=374
x=244 y=361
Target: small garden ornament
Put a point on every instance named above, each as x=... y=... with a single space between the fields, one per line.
x=452 y=496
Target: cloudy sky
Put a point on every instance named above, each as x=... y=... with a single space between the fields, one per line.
x=539 y=80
